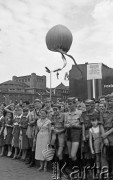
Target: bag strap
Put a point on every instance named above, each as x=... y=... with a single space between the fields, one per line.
x=94 y=132
x=42 y=124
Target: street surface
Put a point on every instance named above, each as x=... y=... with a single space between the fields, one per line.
x=17 y=170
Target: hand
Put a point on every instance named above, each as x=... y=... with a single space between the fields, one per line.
x=84 y=139
x=93 y=152
x=106 y=142
x=87 y=136
x=52 y=128
x=67 y=125
x=104 y=136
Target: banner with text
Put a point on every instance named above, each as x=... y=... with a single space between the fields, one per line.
x=94 y=71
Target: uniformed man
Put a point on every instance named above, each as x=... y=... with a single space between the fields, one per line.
x=58 y=136
x=107 y=122
x=86 y=116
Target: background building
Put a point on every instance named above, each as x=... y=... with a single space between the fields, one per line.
x=62 y=92
x=27 y=88
x=33 y=81
x=13 y=86
x=80 y=87
x=23 y=88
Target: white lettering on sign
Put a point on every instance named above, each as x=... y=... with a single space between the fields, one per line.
x=108 y=86
x=94 y=71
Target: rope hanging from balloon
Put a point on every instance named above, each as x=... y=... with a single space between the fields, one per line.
x=65 y=62
x=59 y=39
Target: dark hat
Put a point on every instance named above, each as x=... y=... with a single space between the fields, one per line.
x=31 y=105
x=56 y=106
x=25 y=109
x=95 y=115
x=71 y=99
x=89 y=102
x=93 y=118
x=47 y=99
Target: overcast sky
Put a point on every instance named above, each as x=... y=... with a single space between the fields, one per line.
x=24 y=24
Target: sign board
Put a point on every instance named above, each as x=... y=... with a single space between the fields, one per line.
x=94 y=71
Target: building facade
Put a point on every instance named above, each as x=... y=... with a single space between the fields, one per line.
x=23 y=87
x=27 y=88
x=61 y=92
x=33 y=81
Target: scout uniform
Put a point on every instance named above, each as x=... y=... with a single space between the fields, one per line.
x=86 y=116
x=107 y=122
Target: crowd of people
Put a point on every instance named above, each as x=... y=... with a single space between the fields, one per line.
x=81 y=132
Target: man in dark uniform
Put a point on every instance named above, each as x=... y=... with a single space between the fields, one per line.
x=58 y=139
x=86 y=116
x=107 y=121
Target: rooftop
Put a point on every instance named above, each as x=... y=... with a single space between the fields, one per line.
x=14 y=83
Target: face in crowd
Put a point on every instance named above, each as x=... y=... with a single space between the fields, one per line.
x=47 y=103
x=9 y=115
x=79 y=107
x=43 y=114
x=88 y=107
x=19 y=111
x=12 y=107
x=2 y=106
x=56 y=110
x=62 y=108
x=96 y=106
x=102 y=107
x=71 y=107
x=25 y=112
x=37 y=105
x=102 y=100
x=31 y=107
x=94 y=122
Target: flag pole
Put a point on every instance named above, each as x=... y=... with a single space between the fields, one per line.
x=93 y=82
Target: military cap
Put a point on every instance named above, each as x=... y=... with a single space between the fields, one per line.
x=71 y=99
x=25 y=109
x=37 y=100
x=89 y=102
x=56 y=106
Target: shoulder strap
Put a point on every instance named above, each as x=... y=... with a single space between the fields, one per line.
x=42 y=124
x=100 y=130
x=92 y=131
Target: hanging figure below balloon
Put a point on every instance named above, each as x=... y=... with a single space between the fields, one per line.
x=57 y=74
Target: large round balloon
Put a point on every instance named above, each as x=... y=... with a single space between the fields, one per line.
x=58 y=38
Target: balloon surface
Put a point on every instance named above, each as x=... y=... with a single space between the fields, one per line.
x=58 y=38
